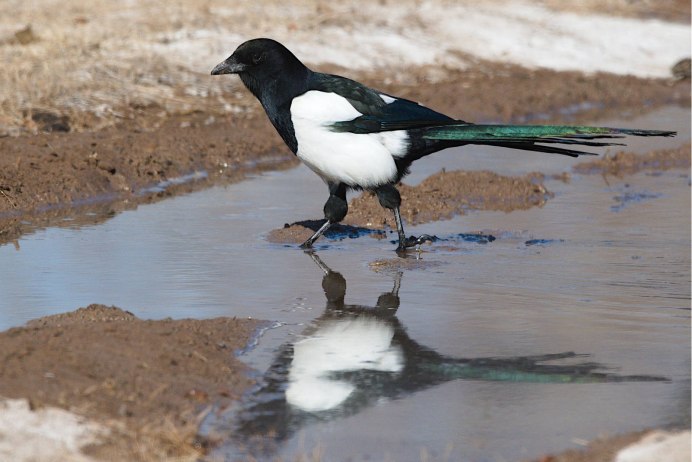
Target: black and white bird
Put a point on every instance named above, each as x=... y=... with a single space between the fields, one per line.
x=355 y=137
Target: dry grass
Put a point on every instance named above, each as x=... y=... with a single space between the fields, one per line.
x=102 y=59
x=163 y=442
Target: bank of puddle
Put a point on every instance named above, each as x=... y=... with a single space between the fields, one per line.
x=509 y=336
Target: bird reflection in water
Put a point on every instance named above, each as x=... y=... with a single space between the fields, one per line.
x=354 y=356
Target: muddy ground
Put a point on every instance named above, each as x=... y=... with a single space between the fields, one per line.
x=150 y=381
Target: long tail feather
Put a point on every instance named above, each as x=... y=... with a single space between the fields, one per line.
x=543 y=148
x=532 y=133
x=525 y=136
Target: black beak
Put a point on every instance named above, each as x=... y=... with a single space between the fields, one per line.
x=229 y=66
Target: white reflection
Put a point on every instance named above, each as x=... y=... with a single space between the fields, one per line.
x=346 y=345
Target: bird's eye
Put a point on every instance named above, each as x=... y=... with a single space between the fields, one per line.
x=257 y=58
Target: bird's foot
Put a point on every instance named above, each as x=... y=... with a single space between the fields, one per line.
x=311 y=240
x=413 y=241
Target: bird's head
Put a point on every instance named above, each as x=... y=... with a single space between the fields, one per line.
x=259 y=60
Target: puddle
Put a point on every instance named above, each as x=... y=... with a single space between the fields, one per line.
x=183 y=179
x=353 y=357
x=628 y=198
x=542 y=242
x=559 y=328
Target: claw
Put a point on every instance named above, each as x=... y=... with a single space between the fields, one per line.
x=413 y=241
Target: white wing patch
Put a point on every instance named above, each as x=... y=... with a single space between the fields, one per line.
x=364 y=160
x=323 y=108
x=387 y=99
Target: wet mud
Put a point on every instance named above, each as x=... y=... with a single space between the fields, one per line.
x=445 y=194
x=48 y=177
x=628 y=163
x=151 y=382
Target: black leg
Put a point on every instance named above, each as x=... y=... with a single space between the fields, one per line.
x=333 y=283
x=399 y=228
x=390 y=198
x=388 y=302
x=411 y=241
x=335 y=209
x=308 y=243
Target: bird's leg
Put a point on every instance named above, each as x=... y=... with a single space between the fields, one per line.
x=388 y=302
x=318 y=261
x=411 y=241
x=390 y=198
x=308 y=243
x=399 y=228
x=335 y=210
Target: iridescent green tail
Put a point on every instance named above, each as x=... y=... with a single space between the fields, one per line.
x=525 y=136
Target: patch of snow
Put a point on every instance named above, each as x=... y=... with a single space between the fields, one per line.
x=658 y=446
x=432 y=34
x=534 y=36
x=516 y=32
x=372 y=48
x=47 y=434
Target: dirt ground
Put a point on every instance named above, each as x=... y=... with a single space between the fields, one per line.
x=626 y=163
x=151 y=381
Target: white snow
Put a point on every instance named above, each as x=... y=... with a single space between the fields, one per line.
x=44 y=435
x=432 y=34
x=517 y=32
x=534 y=36
x=658 y=446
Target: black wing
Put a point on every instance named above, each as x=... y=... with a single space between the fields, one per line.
x=378 y=114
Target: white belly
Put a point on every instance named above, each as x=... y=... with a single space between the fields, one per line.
x=364 y=160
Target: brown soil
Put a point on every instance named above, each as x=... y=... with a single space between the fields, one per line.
x=44 y=177
x=445 y=194
x=628 y=163
x=151 y=381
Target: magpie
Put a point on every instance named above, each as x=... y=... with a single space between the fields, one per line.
x=355 y=137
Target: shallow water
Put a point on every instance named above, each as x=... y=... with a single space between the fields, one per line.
x=603 y=270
